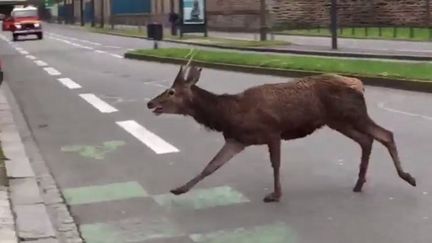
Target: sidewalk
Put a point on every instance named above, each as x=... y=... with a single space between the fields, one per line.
x=31 y=208
x=311 y=45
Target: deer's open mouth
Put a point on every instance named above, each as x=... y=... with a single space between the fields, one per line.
x=158 y=110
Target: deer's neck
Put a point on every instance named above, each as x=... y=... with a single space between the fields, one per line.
x=210 y=109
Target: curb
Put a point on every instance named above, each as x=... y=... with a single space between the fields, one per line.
x=35 y=208
x=412 y=85
x=286 y=51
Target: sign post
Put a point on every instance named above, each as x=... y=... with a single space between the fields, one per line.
x=193 y=17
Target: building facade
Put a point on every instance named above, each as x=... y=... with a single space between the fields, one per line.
x=244 y=15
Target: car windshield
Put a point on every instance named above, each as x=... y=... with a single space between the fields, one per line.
x=25 y=13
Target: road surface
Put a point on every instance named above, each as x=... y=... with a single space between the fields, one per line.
x=115 y=162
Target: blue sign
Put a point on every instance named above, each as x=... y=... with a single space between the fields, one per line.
x=193 y=12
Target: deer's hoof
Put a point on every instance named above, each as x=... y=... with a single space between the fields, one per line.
x=272 y=197
x=408 y=178
x=359 y=185
x=179 y=191
x=357 y=188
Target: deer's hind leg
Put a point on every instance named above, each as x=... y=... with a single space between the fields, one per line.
x=387 y=139
x=365 y=141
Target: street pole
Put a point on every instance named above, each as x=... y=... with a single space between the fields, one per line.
x=263 y=24
x=428 y=13
x=65 y=14
x=102 y=23
x=334 y=23
x=93 y=21
x=82 y=12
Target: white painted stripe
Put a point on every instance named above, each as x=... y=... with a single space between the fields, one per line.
x=69 y=83
x=87 y=47
x=41 y=63
x=91 y=42
x=157 y=144
x=19 y=49
x=115 y=55
x=99 y=51
x=24 y=52
x=31 y=57
x=99 y=104
x=114 y=47
x=52 y=71
x=382 y=106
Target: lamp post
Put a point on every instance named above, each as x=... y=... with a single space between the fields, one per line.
x=263 y=24
x=334 y=23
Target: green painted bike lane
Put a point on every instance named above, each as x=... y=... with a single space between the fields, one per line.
x=136 y=229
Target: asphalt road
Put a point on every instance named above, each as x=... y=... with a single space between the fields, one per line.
x=115 y=162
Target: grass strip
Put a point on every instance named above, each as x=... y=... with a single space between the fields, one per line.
x=192 y=39
x=368 y=68
x=385 y=33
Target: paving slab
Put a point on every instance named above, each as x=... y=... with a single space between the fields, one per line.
x=25 y=191
x=33 y=222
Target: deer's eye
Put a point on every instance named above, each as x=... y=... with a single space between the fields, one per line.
x=171 y=92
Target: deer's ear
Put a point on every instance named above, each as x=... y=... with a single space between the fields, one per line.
x=193 y=75
x=179 y=79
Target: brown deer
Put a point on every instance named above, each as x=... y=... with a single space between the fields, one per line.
x=269 y=113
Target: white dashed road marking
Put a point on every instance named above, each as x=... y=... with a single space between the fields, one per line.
x=382 y=106
x=151 y=140
x=87 y=47
x=69 y=83
x=52 y=71
x=31 y=57
x=41 y=63
x=99 y=104
x=24 y=52
x=99 y=51
x=117 y=56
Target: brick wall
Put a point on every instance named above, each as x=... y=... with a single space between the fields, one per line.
x=244 y=14
x=351 y=12
x=234 y=15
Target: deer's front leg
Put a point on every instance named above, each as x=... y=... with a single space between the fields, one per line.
x=275 y=156
x=229 y=150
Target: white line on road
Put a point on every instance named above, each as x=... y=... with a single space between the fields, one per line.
x=90 y=42
x=69 y=83
x=114 y=47
x=52 y=71
x=87 y=47
x=41 y=63
x=31 y=57
x=99 y=104
x=382 y=106
x=99 y=51
x=24 y=52
x=157 y=144
x=115 y=55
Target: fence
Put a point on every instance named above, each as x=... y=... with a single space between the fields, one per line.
x=384 y=19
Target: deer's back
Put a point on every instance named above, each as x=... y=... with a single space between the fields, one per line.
x=295 y=109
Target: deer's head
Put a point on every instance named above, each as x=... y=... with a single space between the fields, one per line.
x=175 y=99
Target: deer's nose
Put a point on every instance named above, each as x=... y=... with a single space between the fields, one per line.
x=150 y=105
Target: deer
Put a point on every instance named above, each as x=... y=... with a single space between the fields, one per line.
x=268 y=114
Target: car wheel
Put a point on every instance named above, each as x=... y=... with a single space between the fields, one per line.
x=40 y=36
x=15 y=37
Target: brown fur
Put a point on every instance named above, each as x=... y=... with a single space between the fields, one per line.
x=268 y=113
